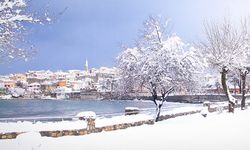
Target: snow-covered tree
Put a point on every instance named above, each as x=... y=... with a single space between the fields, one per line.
x=224 y=49
x=127 y=63
x=243 y=64
x=13 y=15
x=159 y=62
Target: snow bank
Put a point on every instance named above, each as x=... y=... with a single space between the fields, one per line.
x=182 y=109
x=121 y=119
x=39 y=126
x=29 y=141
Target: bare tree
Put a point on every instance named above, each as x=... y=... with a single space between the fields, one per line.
x=244 y=62
x=223 y=48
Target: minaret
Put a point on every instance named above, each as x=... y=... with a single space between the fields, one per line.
x=86 y=66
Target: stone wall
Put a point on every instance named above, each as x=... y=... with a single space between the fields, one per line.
x=11 y=135
x=92 y=129
x=165 y=117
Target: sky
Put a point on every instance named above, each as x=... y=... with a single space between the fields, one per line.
x=97 y=29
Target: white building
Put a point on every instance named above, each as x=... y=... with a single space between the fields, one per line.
x=34 y=88
x=62 y=92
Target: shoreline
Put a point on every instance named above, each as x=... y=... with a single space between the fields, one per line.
x=192 y=99
x=80 y=127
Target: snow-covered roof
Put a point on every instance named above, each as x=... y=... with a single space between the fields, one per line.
x=35 y=84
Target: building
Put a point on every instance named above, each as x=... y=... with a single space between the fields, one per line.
x=19 y=77
x=62 y=83
x=62 y=92
x=8 y=84
x=34 y=88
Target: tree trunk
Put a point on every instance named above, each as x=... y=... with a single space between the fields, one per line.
x=231 y=104
x=164 y=95
x=243 y=101
x=239 y=84
x=154 y=96
x=234 y=89
x=158 y=112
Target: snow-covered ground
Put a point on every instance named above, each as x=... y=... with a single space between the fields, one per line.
x=27 y=126
x=193 y=132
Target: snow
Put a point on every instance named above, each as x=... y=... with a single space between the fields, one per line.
x=87 y=114
x=10 y=18
x=48 y=19
x=101 y=122
x=194 y=132
x=10 y=4
x=131 y=108
x=23 y=140
x=206 y=102
x=181 y=110
x=20 y=18
x=204 y=112
x=13 y=14
x=27 y=126
x=231 y=98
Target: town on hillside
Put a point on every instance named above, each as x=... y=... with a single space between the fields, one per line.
x=72 y=84
x=83 y=84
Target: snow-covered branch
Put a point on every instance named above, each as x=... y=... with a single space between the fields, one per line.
x=13 y=15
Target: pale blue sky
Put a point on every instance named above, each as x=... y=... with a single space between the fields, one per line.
x=96 y=29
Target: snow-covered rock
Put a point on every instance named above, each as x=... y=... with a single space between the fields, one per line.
x=204 y=112
x=131 y=110
x=206 y=103
x=86 y=114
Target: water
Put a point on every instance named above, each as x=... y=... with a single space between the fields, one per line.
x=69 y=108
